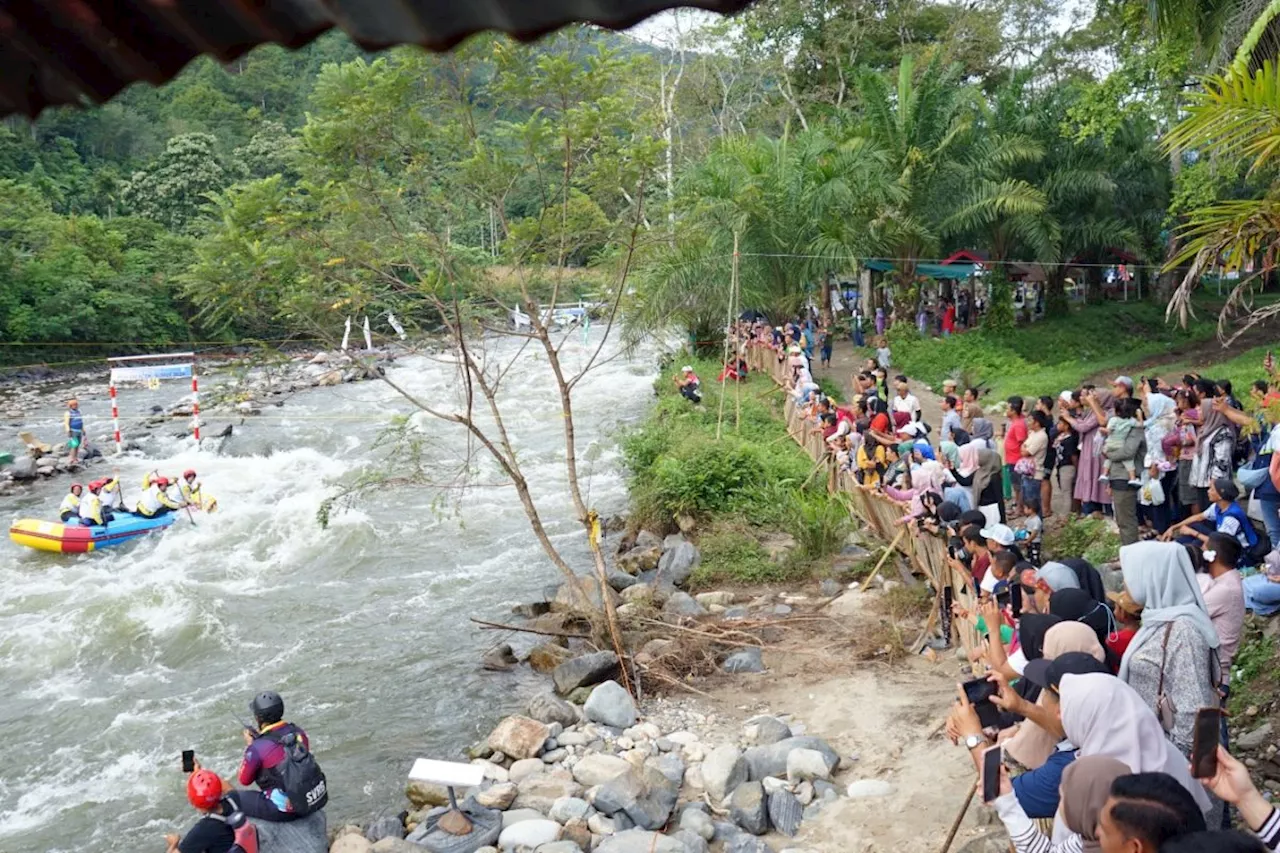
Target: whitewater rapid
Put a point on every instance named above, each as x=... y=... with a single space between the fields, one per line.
x=114 y=662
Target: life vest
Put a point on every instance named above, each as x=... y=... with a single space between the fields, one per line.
x=70 y=504
x=190 y=494
x=151 y=501
x=245 y=833
x=114 y=499
x=91 y=508
x=75 y=421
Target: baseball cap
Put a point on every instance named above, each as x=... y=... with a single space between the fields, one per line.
x=1123 y=380
x=1001 y=533
x=1125 y=602
x=1049 y=673
x=912 y=428
x=687 y=368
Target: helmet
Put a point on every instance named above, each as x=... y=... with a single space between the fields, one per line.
x=79 y=486
x=267 y=707
x=204 y=789
x=162 y=482
x=95 y=486
x=189 y=473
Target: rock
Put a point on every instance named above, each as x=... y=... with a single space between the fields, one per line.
x=611 y=705
x=764 y=730
x=830 y=588
x=692 y=841
x=640 y=841
x=647 y=539
x=569 y=595
x=384 y=827
x=723 y=770
x=517 y=815
x=578 y=832
x=654 y=649
x=782 y=610
x=681 y=604
x=598 y=768
x=566 y=809
x=553 y=756
x=499 y=796
x=619 y=580
x=771 y=760
x=744 y=660
x=640 y=559
x=427 y=794
x=734 y=613
x=678 y=563
x=541 y=790
x=500 y=658
x=671 y=541
x=548 y=708
x=804 y=792
x=693 y=778
x=697 y=822
x=545 y=657
x=319 y=358
x=308 y=835
x=685 y=522
x=23 y=468
x=821 y=789
x=646 y=796
x=519 y=737
x=1253 y=739
x=524 y=768
x=565 y=846
x=749 y=809
x=785 y=812
x=706 y=599
x=807 y=765
x=493 y=772
x=391 y=845
x=743 y=843
x=601 y=824
x=351 y=844
x=638 y=593
x=584 y=671
x=580 y=695
x=851 y=603
x=865 y=788
x=529 y=833
x=670 y=766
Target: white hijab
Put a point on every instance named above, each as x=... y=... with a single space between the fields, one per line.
x=1159 y=576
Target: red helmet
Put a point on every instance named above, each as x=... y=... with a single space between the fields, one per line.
x=162 y=482
x=79 y=486
x=96 y=486
x=189 y=473
x=204 y=789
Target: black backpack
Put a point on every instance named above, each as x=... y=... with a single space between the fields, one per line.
x=299 y=775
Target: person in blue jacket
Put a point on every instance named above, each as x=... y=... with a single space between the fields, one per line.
x=1224 y=515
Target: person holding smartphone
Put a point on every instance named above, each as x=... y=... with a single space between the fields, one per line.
x=211 y=833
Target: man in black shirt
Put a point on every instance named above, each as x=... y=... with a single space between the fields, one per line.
x=211 y=834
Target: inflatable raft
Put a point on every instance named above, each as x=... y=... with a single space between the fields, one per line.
x=77 y=539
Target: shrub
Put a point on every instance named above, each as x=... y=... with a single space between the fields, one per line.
x=730 y=552
x=1090 y=538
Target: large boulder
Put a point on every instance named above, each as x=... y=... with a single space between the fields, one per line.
x=584 y=671
x=546 y=707
x=570 y=595
x=645 y=795
x=723 y=770
x=640 y=559
x=678 y=563
x=807 y=765
x=764 y=730
x=745 y=660
x=749 y=808
x=611 y=705
x=648 y=539
x=519 y=737
x=308 y=835
x=597 y=768
x=24 y=468
x=541 y=790
x=545 y=657
x=681 y=604
x=566 y=809
x=771 y=760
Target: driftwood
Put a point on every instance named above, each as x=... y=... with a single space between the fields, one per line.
x=500 y=626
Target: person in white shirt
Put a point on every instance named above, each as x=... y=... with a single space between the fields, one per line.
x=906 y=402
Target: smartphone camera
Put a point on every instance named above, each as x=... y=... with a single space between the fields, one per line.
x=991 y=773
x=979 y=692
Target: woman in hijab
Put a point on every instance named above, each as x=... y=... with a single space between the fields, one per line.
x=1087 y=575
x=1215 y=445
x=1102 y=715
x=1031 y=745
x=927 y=479
x=1161 y=420
x=1075 y=606
x=1032 y=628
x=986 y=470
x=984 y=432
x=1090 y=491
x=1172 y=662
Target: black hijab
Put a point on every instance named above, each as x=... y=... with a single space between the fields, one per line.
x=1031 y=630
x=1090 y=580
x=1076 y=605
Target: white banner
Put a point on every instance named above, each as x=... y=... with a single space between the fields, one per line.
x=156 y=371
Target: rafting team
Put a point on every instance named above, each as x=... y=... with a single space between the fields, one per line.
x=104 y=499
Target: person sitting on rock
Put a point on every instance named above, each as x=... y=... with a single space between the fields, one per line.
x=211 y=833
x=70 y=508
x=277 y=758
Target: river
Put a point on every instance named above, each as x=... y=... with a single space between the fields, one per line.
x=114 y=662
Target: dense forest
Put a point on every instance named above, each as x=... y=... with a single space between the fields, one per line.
x=267 y=198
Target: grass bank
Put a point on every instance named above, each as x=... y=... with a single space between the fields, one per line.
x=763 y=514
x=1050 y=355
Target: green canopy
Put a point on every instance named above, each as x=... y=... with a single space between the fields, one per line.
x=938 y=271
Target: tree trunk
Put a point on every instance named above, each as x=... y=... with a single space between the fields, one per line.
x=824 y=304
x=1055 y=298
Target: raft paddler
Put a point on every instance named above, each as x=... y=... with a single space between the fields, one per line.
x=155 y=501
x=112 y=494
x=189 y=488
x=92 y=512
x=70 y=508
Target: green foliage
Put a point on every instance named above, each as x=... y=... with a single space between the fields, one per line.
x=1089 y=538
x=731 y=552
x=173 y=189
x=999 y=317
x=1253 y=680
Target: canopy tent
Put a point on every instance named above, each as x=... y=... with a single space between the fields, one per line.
x=72 y=52
x=935 y=271
x=751 y=315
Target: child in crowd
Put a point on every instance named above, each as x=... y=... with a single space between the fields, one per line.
x=824 y=343
x=1117 y=430
x=884 y=358
x=1032 y=529
x=1128 y=615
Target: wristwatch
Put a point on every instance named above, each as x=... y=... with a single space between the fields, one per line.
x=974 y=741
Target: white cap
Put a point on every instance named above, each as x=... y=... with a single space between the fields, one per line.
x=912 y=428
x=1001 y=533
x=687 y=368
x=1066 y=397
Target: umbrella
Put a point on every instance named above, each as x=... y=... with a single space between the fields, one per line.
x=751 y=315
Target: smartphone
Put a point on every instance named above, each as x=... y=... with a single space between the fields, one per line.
x=1015 y=599
x=1204 y=750
x=979 y=692
x=188 y=761
x=991 y=773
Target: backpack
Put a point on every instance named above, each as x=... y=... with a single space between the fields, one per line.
x=299 y=775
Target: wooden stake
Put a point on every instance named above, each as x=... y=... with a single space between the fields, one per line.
x=955 y=825
x=887 y=551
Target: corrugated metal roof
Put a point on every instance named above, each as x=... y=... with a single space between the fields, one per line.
x=83 y=51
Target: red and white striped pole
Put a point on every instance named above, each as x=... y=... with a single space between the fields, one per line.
x=195 y=408
x=115 y=417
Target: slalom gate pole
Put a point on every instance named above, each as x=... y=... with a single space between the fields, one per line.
x=115 y=417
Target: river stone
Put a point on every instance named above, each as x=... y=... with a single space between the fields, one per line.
x=723 y=770
x=559 y=847
x=640 y=841
x=500 y=658
x=648 y=539
x=566 y=809
x=807 y=764
x=611 y=705
x=541 y=790
x=764 y=730
x=771 y=760
x=640 y=559
x=866 y=788
x=698 y=822
x=529 y=833
x=671 y=540
x=785 y=812
x=601 y=824
x=515 y=816
x=670 y=766
x=584 y=671
x=306 y=835
x=554 y=756
x=499 y=796
x=692 y=841
x=682 y=604
x=707 y=599
x=566 y=600
x=427 y=794
x=638 y=593
x=743 y=843
x=678 y=563
x=599 y=768
x=545 y=657
x=546 y=707
x=1253 y=739
x=519 y=737
x=23 y=468
x=524 y=768
x=578 y=832
x=744 y=660
x=390 y=845
x=748 y=808
x=351 y=843
x=619 y=580
x=384 y=827
x=645 y=796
